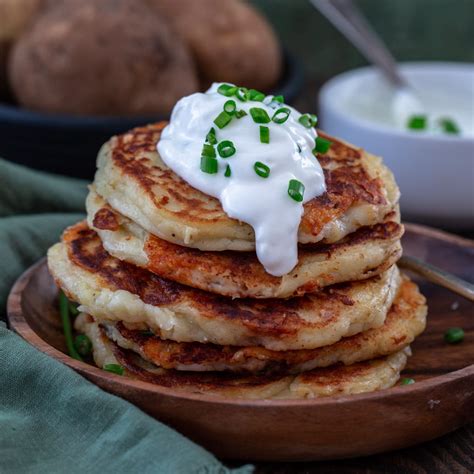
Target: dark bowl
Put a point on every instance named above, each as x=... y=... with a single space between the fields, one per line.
x=68 y=145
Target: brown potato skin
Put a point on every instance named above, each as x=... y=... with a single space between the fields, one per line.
x=229 y=39
x=15 y=16
x=107 y=57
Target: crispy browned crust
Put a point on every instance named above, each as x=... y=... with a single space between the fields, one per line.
x=177 y=263
x=347 y=181
x=169 y=354
x=273 y=317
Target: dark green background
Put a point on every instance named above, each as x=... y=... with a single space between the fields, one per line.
x=413 y=30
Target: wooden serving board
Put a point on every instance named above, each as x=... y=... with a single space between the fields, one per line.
x=441 y=400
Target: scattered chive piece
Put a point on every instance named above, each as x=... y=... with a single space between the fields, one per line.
x=322 y=145
x=225 y=149
x=259 y=115
x=227 y=90
x=114 y=368
x=407 y=381
x=64 y=310
x=83 y=344
x=296 y=190
x=230 y=106
x=261 y=169
x=211 y=136
x=240 y=113
x=209 y=165
x=208 y=150
x=73 y=308
x=449 y=126
x=264 y=134
x=223 y=119
x=279 y=98
x=255 y=95
x=227 y=172
x=454 y=335
x=281 y=115
x=314 y=119
x=305 y=120
x=242 y=94
x=417 y=122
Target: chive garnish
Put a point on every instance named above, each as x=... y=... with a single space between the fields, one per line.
x=261 y=169
x=230 y=106
x=227 y=172
x=322 y=145
x=227 y=90
x=223 y=119
x=417 y=122
x=259 y=115
x=225 y=149
x=242 y=94
x=64 y=311
x=296 y=190
x=454 y=335
x=279 y=98
x=209 y=165
x=308 y=120
x=208 y=150
x=264 y=134
x=449 y=126
x=281 y=115
x=211 y=136
x=114 y=368
x=73 y=308
x=407 y=381
x=240 y=114
x=255 y=95
x=83 y=344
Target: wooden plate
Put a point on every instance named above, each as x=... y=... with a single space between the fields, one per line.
x=441 y=400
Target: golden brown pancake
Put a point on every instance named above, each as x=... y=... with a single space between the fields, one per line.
x=405 y=320
x=111 y=289
x=366 y=252
x=339 y=379
x=134 y=180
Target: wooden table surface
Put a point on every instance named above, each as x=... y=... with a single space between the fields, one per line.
x=451 y=454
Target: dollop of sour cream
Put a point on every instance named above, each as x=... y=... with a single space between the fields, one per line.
x=263 y=203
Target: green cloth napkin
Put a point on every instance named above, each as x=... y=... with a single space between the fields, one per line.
x=51 y=419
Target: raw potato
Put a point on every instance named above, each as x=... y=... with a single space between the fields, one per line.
x=230 y=41
x=14 y=17
x=107 y=57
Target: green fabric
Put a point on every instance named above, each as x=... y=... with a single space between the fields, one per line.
x=51 y=419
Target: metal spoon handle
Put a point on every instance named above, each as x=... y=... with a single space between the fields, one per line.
x=349 y=20
x=438 y=276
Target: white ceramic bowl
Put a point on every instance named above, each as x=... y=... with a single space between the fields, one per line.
x=435 y=172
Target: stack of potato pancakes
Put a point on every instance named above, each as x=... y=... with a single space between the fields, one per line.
x=170 y=287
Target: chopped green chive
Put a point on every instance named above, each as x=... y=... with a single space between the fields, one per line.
x=454 y=335
x=296 y=190
x=225 y=149
x=279 y=98
x=261 y=169
x=83 y=344
x=227 y=172
x=209 y=165
x=114 y=368
x=281 y=115
x=417 y=122
x=259 y=115
x=211 y=136
x=322 y=145
x=208 y=150
x=407 y=381
x=264 y=134
x=308 y=120
x=314 y=119
x=73 y=308
x=223 y=119
x=242 y=94
x=227 y=90
x=64 y=311
x=230 y=106
x=240 y=113
x=449 y=126
x=255 y=95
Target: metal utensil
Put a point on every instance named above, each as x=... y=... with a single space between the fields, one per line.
x=438 y=276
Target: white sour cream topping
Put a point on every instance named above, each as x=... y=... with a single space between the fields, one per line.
x=263 y=203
